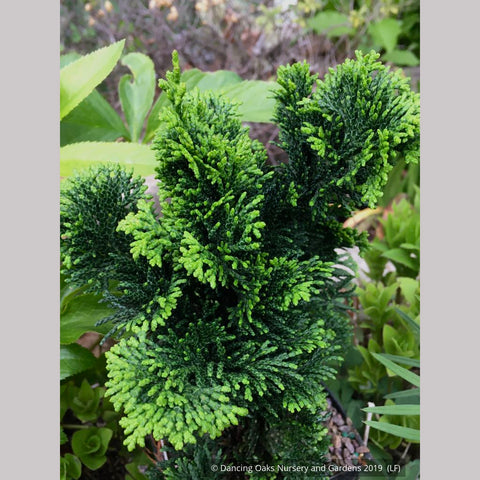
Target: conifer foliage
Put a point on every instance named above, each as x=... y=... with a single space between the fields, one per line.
x=230 y=306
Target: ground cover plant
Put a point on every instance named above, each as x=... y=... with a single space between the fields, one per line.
x=229 y=308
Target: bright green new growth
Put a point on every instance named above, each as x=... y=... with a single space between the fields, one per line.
x=234 y=299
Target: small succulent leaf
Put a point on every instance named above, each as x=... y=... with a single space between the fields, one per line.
x=85 y=402
x=79 y=78
x=90 y=446
x=70 y=467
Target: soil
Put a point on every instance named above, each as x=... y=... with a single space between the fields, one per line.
x=347 y=447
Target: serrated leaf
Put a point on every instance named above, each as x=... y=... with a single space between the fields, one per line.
x=68 y=58
x=385 y=33
x=330 y=23
x=136 y=93
x=394 y=410
x=92 y=120
x=75 y=359
x=404 y=432
x=411 y=377
x=403 y=58
x=79 y=78
x=77 y=156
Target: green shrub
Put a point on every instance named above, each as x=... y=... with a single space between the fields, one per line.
x=232 y=302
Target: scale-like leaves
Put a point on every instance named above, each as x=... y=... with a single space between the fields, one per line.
x=232 y=308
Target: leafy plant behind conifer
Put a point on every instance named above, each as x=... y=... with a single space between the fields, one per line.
x=230 y=307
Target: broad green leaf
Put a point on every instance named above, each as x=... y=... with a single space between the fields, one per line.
x=394 y=410
x=256 y=100
x=92 y=120
x=385 y=33
x=403 y=58
x=75 y=359
x=254 y=96
x=411 y=377
x=77 y=156
x=412 y=362
x=330 y=23
x=217 y=81
x=79 y=78
x=404 y=432
x=137 y=92
x=412 y=393
x=79 y=314
x=401 y=256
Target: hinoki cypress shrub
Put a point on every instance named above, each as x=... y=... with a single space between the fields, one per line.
x=230 y=306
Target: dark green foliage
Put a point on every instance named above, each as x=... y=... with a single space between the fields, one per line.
x=234 y=299
x=91 y=206
x=342 y=140
x=192 y=463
